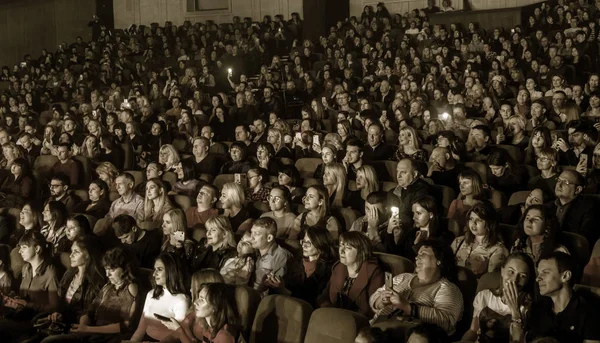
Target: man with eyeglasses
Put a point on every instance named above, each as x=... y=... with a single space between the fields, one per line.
x=256 y=189
x=59 y=191
x=198 y=215
x=573 y=212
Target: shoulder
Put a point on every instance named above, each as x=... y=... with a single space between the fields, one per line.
x=133 y=289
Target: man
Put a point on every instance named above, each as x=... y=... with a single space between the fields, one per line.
x=30 y=150
x=573 y=212
x=559 y=99
x=243 y=134
x=478 y=144
x=174 y=113
x=215 y=147
x=205 y=162
x=354 y=158
x=273 y=261
x=579 y=151
x=256 y=189
x=129 y=202
x=144 y=244
x=560 y=312
x=70 y=126
x=260 y=128
x=376 y=149
x=385 y=95
x=375 y=221
x=538 y=117
x=410 y=186
x=443 y=169
x=198 y=215
x=59 y=191
x=67 y=166
x=270 y=103
x=242 y=113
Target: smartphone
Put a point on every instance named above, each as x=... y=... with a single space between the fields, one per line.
x=583 y=159
x=389 y=281
x=299 y=136
x=163 y=318
x=23 y=64
x=179 y=236
x=229 y=71
x=395 y=211
x=316 y=140
x=240 y=179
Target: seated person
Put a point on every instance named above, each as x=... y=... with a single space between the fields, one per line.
x=234 y=207
x=429 y=294
x=143 y=244
x=410 y=186
x=256 y=190
x=366 y=183
x=239 y=164
x=443 y=169
x=546 y=163
x=280 y=203
x=66 y=165
x=374 y=224
x=98 y=204
x=316 y=203
x=204 y=162
x=187 y=183
x=196 y=216
x=505 y=175
x=59 y=191
x=129 y=202
x=19 y=187
x=471 y=193
x=219 y=245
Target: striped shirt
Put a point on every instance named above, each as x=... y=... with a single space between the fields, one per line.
x=440 y=303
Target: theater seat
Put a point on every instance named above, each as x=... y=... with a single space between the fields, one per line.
x=396 y=330
x=334 y=325
x=518 y=198
x=280 y=319
x=578 y=246
x=395 y=264
x=491 y=280
x=184 y=201
x=306 y=166
x=222 y=179
x=247 y=300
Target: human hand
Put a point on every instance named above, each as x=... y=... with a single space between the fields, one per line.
x=395 y=299
x=172 y=324
x=511 y=297
x=14 y=303
x=562 y=145
x=55 y=317
x=78 y=328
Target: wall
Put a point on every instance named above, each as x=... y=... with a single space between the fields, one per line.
x=129 y=12
x=486 y=19
x=28 y=26
x=396 y=6
x=492 y=4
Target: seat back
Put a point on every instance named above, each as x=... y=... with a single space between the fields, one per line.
x=467 y=282
x=346 y=216
x=309 y=182
x=518 y=198
x=395 y=264
x=396 y=330
x=184 y=201
x=42 y=166
x=508 y=234
x=444 y=195
x=222 y=179
x=578 y=246
x=16 y=262
x=513 y=151
x=138 y=176
x=306 y=166
x=247 y=300
x=334 y=325
x=170 y=178
x=497 y=198
x=280 y=318
x=491 y=280
x=386 y=170
x=81 y=194
x=87 y=169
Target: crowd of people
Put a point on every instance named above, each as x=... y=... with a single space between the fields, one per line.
x=149 y=172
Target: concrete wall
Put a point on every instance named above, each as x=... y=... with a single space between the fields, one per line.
x=129 y=12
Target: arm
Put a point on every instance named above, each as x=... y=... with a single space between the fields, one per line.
x=295 y=231
x=139 y=333
x=471 y=334
x=497 y=258
x=447 y=309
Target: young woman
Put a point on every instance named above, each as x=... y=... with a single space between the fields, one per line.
x=238 y=270
x=218 y=245
x=233 y=203
x=409 y=146
x=367 y=182
x=215 y=317
x=538 y=233
x=480 y=248
x=355 y=277
x=265 y=154
x=7 y=281
x=334 y=179
x=505 y=176
x=496 y=310
x=111 y=151
x=239 y=164
x=547 y=162
x=77 y=228
x=55 y=219
x=471 y=193
x=175 y=240
x=99 y=203
x=518 y=137
x=30 y=218
x=316 y=203
x=328 y=155
x=156 y=202
x=540 y=139
x=275 y=138
x=168 y=157
x=108 y=173
x=280 y=203
x=166 y=298
x=289 y=177
x=19 y=187
x=186 y=184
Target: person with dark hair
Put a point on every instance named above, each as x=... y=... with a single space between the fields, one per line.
x=60 y=191
x=376 y=149
x=560 y=312
x=429 y=294
x=354 y=157
x=19 y=187
x=98 y=203
x=497 y=310
x=355 y=277
x=143 y=244
x=187 y=183
x=580 y=149
x=289 y=177
x=204 y=161
x=66 y=165
x=256 y=188
x=111 y=151
x=444 y=169
x=478 y=143
x=206 y=201
x=166 y=298
x=55 y=216
x=480 y=248
x=239 y=164
x=280 y=203
x=504 y=175
x=537 y=234
x=374 y=223
x=427 y=333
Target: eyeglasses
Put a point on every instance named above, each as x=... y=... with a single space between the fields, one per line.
x=542 y=158
x=273 y=198
x=54 y=186
x=565 y=182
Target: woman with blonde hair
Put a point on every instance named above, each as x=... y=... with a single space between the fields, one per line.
x=90 y=147
x=168 y=157
x=175 y=240
x=218 y=245
x=316 y=203
x=233 y=203
x=108 y=173
x=95 y=128
x=10 y=152
x=156 y=201
x=471 y=193
x=409 y=146
x=275 y=137
x=367 y=182
x=334 y=179
x=518 y=137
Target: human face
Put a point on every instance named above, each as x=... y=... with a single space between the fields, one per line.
x=425 y=260
x=421 y=217
x=308 y=249
x=27 y=252
x=477 y=225
x=215 y=236
x=353 y=154
x=348 y=254
x=329 y=178
x=538 y=140
x=443 y=142
x=374 y=135
x=262 y=153
x=566 y=186
x=259 y=127
x=205 y=197
x=361 y=180
x=159 y=274
x=311 y=199
x=78 y=256
x=179 y=171
x=57 y=189
x=479 y=138
x=536 y=197
x=73 y=230
x=515 y=270
x=404 y=138
x=16 y=169
x=545 y=162
x=123 y=185
x=152 y=171
x=534 y=223
x=167 y=225
x=260 y=238
x=558 y=99
x=156 y=129
x=276 y=200
x=576 y=138
x=241 y=134
x=63 y=153
x=26 y=216
x=549 y=279
x=497 y=171
x=284 y=179
x=115 y=275
x=152 y=191
x=405 y=173
x=236 y=154
x=327 y=155
x=95 y=192
x=202 y=307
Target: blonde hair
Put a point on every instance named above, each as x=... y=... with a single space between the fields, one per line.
x=279 y=140
x=201 y=278
x=151 y=212
x=414 y=139
x=518 y=120
x=108 y=169
x=173 y=158
x=234 y=192
x=222 y=224
x=340 y=179
x=372 y=180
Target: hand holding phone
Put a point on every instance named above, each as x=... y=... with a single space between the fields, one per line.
x=389 y=281
x=179 y=236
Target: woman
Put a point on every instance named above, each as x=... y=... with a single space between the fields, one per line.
x=218 y=245
x=471 y=193
x=111 y=314
x=427 y=224
x=430 y=293
x=328 y=155
x=318 y=254
x=38 y=289
x=30 y=218
x=538 y=233
x=275 y=138
x=547 y=163
x=168 y=157
x=409 y=146
x=77 y=228
x=495 y=311
x=90 y=147
x=238 y=152
x=367 y=182
x=518 y=136
x=280 y=203
x=540 y=139
x=156 y=201
x=334 y=179
x=344 y=129
x=316 y=202
x=355 y=277
x=108 y=173
x=55 y=220
x=186 y=184
x=111 y=152
x=175 y=240
x=19 y=187
x=265 y=154
x=166 y=298
x=505 y=176
x=99 y=203
x=233 y=203
x=480 y=248
x=10 y=152
x=289 y=177
x=215 y=318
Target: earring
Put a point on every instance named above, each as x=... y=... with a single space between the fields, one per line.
x=439 y=263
